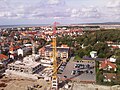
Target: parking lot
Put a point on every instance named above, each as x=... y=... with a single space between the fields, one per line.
x=83 y=71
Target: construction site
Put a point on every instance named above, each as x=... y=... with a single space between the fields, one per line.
x=20 y=83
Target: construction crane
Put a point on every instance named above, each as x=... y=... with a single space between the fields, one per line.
x=54 y=76
x=55 y=79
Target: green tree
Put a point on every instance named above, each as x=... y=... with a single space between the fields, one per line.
x=117 y=52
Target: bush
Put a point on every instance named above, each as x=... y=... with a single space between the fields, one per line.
x=3 y=84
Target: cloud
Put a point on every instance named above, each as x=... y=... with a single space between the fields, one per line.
x=85 y=12
x=113 y=4
x=112 y=10
x=44 y=9
x=38 y=9
x=3 y=0
x=91 y=12
x=55 y=2
x=56 y=9
x=75 y=12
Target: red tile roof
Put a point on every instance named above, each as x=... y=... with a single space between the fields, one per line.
x=115 y=47
x=2 y=56
x=105 y=63
x=14 y=48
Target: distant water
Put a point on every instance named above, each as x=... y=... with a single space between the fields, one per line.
x=26 y=25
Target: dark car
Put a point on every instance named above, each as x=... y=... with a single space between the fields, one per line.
x=79 y=72
x=64 y=64
x=77 y=65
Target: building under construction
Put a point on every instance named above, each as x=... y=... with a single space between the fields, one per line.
x=62 y=51
x=27 y=67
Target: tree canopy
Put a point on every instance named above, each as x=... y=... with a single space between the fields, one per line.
x=92 y=41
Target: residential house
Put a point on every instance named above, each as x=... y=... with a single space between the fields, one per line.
x=93 y=54
x=112 y=59
x=107 y=65
x=3 y=57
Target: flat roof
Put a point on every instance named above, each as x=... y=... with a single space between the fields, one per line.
x=25 y=65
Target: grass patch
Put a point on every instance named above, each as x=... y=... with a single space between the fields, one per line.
x=77 y=58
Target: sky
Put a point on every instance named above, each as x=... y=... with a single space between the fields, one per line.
x=14 y=12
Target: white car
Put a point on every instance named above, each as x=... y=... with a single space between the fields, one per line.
x=73 y=72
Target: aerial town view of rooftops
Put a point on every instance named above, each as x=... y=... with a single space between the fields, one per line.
x=59 y=44
x=82 y=55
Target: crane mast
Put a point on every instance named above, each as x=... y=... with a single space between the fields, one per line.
x=54 y=76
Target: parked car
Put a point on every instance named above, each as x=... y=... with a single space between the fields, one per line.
x=79 y=72
x=81 y=66
x=60 y=71
x=77 y=65
x=62 y=67
x=73 y=72
x=64 y=63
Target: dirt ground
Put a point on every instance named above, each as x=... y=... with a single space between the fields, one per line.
x=19 y=83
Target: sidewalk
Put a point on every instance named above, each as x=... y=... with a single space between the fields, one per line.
x=71 y=59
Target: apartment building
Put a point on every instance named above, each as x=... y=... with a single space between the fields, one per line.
x=62 y=51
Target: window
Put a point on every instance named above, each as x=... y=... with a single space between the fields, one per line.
x=54 y=81
x=54 y=85
x=13 y=68
x=21 y=70
x=17 y=69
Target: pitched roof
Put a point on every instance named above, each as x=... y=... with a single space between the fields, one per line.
x=14 y=48
x=115 y=47
x=42 y=49
x=2 y=56
x=105 y=63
